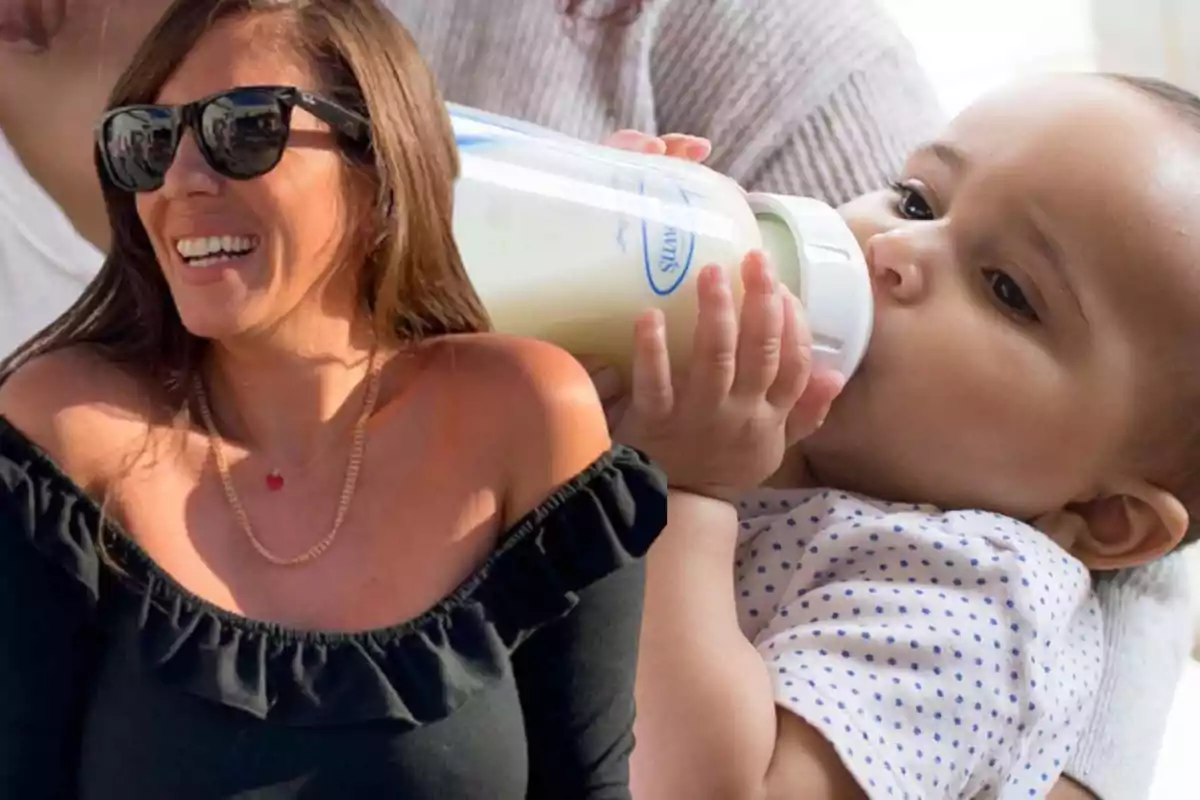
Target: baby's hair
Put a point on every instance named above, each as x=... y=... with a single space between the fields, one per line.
x=1174 y=98
x=1181 y=474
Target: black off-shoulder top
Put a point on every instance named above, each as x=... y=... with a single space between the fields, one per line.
x=116 y=682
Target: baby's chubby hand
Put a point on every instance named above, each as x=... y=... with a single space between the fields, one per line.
x=749 y=394
x=751 y=391
x=609 y=385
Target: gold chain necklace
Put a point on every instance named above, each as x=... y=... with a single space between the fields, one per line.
x=353 y=466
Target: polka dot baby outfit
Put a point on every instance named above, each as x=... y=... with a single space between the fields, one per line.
x=944 y=654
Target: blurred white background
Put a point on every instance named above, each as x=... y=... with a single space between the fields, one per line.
x=968 y=46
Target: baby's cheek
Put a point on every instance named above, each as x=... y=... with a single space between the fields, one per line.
x=1040 y=467
x=982 y=449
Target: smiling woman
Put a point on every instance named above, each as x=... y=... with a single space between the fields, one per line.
x=270 y=419
x=345 y=164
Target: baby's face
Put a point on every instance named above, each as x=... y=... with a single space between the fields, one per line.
x=1035 y=271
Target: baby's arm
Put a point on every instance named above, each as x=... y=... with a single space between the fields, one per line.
x=706 y=724
x=933 y=652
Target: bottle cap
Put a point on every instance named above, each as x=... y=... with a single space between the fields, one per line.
x=835 y=284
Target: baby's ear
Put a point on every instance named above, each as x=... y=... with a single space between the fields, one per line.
x=1134 y=526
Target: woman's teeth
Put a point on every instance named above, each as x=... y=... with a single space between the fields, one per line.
x=205 y=251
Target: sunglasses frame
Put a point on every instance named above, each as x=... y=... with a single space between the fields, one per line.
x=187 y=116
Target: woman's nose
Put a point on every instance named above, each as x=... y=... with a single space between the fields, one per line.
x=189 y=174
x=898 y=267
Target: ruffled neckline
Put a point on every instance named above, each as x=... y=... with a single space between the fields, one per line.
x=415 y=672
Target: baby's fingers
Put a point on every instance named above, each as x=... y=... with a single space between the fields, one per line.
x=795 y=356
x=714 y=344
x=760 y=329
x=810 y=411
x=652 y=396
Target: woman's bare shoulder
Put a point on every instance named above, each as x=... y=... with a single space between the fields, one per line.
x=539 y=398
x=539 y=370
x=65 y=401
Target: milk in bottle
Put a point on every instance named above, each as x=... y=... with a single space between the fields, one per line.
x=569 y=242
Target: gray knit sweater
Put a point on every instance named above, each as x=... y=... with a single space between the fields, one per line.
x=809 y=97
x=817 y=97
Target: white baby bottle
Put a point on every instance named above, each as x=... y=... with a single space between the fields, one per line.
x=569 y=242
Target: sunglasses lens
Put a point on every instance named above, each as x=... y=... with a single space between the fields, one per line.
x=139 y=144
x=244 y=132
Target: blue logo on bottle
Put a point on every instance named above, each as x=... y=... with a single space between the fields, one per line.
x=667 y=252
x=467 y=140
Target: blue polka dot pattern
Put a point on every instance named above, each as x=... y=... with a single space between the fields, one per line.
x=944 y=654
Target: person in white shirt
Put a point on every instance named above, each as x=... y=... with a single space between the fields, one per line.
x=44 y=262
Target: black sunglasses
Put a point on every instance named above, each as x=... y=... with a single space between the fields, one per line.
x=241 y=133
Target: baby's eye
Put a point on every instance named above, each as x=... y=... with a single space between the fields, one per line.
x=910 y=203
x=1010 y=295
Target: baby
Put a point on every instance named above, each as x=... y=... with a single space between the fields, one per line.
x=1025 y=415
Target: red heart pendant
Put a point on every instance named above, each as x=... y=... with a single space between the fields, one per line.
x=274 y=481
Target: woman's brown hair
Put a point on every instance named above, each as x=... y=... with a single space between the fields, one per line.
x=413 y=283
